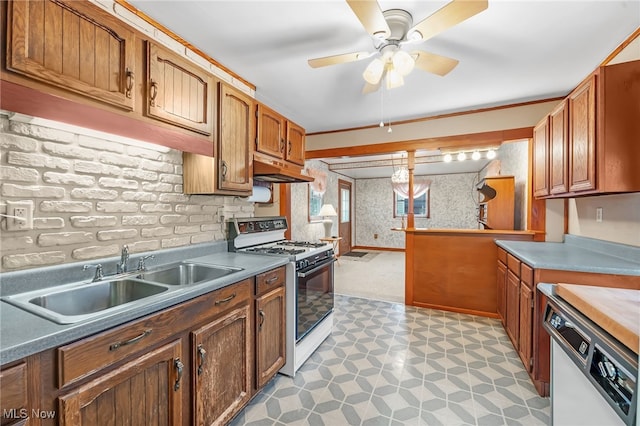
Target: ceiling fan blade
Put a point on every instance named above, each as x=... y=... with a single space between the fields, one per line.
x=436 y=64
x=370 y=15
x=339 y=59
x=449 y=15
x=370 y=88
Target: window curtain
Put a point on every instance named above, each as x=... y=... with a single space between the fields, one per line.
x=420 y=186
x=319 y=184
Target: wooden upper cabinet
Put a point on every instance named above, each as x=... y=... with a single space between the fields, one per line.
x=295 y=144
x=178 y=92
x=591 y=137
x=271 y=132
x=582 y=139
x=558 y=149
x=236 y=113
x=73 y=45
x=541 y=158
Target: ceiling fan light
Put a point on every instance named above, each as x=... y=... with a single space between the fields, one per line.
x=373 y=72
x=414 y=35
x=394 y=79
x=403 y=62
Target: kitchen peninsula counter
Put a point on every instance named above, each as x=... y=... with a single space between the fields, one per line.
x=454 y=269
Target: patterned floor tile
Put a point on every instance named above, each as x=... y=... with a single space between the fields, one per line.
x=390 y=364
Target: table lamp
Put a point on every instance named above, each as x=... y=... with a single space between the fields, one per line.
x=326 y=211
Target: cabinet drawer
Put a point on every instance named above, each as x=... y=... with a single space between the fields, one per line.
x=514 y=264
x=85 y=357
x=269 y=280
x=526 y=275
x=502 y=255
x=13 y=388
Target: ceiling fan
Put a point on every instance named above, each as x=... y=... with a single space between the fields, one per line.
x=391 y=30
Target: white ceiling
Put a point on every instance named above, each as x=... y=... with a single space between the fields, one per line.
x=515 y=51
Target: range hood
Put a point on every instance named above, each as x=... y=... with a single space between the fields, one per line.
x=270 y=172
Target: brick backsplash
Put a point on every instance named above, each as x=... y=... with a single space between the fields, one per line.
x=93 y=195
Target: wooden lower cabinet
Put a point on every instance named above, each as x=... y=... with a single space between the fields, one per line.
x=270 y=335
x=13 y=395
x=501 y=287
x=194 y=363
x=513 y=307
x=146 y=390
x=525 y=324
x=525 y=309
x=222 y=367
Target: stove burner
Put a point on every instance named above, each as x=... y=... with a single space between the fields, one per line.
x=276 y=250
x=303 y=244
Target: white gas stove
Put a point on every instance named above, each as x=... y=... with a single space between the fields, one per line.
x=309 y=282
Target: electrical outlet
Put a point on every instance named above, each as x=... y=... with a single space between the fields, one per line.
x=599 y=214
x=375 y=236
x=20 y=215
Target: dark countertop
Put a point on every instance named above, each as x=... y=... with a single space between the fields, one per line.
x=23 y=333
x=577 y=254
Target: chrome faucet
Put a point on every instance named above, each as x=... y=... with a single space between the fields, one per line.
x=124 y=259
x=99 y=274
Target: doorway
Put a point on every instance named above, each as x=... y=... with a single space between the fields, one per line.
x=344 y=216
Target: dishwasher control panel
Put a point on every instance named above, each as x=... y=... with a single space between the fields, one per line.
x=613 y=379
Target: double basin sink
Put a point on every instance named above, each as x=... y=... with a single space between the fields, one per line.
x=76 y=302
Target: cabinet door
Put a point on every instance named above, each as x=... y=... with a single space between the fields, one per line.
x=222 y=367
x=72 y=45
x=582 y=137
x=236 y=134
x=270 y=335
x=513 y=307
x=501 y=283
x=540 y=158
x=271 y=132
x=295 y=143
x=178 y=92
x=525 y=336
x=146 y=390
x=558 y=155
x=13 y=389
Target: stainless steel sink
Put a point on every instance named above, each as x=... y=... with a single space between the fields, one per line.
x=187 y=273
x=73 y=303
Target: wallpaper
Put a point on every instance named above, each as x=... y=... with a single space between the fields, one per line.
x=452 y=204
x=514 y=161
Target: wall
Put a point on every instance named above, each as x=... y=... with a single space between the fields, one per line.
x=92 y=195
x=452 y=205
x=620 y=218
x=301 y=229
x=513 y=158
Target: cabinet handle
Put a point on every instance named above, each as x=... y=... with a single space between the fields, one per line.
x=130 y=82
x=118 y=345
x=226 y=300
x=201 y=354
x=153 y=92
x=179 y=366
x=261 y=315
x=224 y=170
x=281 y=145
x=271 y=280
x=289 y=151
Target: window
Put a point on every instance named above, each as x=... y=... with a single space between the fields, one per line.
x=315 y=203
x=420 y=205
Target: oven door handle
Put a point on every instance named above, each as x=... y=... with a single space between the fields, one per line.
x=305 y=273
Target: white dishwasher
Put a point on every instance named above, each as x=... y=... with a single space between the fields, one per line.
x=594 y=378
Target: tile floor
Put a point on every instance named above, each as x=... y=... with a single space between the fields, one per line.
x=390 y=364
